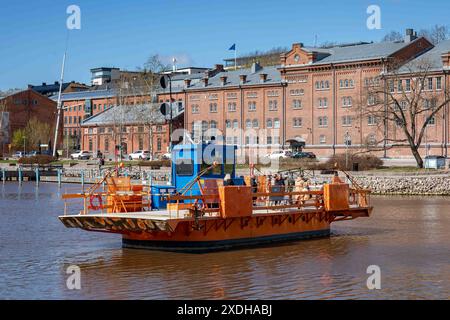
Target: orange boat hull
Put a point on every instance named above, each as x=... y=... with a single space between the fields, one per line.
x=222 y=234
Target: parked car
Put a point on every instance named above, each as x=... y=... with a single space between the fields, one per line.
x=139 y=155
x=19 y=154
x=81 y=155
x=281 y=154
x=166 y=156
x=304 y=155
x=32 y=154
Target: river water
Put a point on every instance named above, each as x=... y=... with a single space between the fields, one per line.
x=407 y=237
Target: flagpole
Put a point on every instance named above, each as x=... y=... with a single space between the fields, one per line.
x=235 y=59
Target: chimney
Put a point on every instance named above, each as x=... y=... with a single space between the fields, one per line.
x=57 y=82
x=218 y=67
x=411 y=35
x=223 y=80
x=262 y=77
x=44 y=84
x=205 y=81
x=187 y=83
x=243 y=78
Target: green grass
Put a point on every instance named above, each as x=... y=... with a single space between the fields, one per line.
x=8 y=161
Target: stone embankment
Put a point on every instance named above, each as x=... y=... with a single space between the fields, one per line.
x=407 y=184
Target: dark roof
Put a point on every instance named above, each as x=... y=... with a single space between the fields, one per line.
x=49 y=88
x=88 y=94
x=132 y=114
x=431 y=57
x=126 y=114
x=356 y=52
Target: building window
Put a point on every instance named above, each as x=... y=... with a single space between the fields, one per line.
x=252 y=106
x=158 y=144
x=141 y=143
x=248 y=123
x=346 y=102
x=231 y=106
x=297 y=122
x=322 y=139
x=106 y=144
x=347 y=140
x=372 y=100
x=323 y=102
x=269 y=123
x=90 y=145
x=391 y=86
x=297 y=92
x=297 y=104
x=255 y=123
x=432 y=121
x=403 y=105
x=430 y=83
x=346 y=83
x=276 y=123
x=235 y=124
x=400 y=86
x=322 y=85
x=273 y=105
x=438 y=83
x=371 y=120
x=195 y=108
x=213 y=107
x=323 y=121
x=269 y=140
x=227 y=123
x=346 y=121
x=371 y=139
x=408 y=85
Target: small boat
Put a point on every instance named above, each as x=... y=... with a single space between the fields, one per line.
x=201 y=211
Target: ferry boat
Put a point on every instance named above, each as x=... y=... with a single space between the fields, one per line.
x=201 y=211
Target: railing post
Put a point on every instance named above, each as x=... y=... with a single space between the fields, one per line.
x=20 y=175
x=3 y=175
x=59 y=177
x=37 y=175
x=82 y=179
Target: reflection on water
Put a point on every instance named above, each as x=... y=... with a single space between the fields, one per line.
x=407 y=237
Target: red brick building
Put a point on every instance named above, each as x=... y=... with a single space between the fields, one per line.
x=311 y=98
x=18 y=108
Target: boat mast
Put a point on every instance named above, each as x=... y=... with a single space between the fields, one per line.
x=58 y=105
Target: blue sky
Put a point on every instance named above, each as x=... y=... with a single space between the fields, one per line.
x=197 y=32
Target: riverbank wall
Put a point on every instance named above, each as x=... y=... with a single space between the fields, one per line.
x=405 y=184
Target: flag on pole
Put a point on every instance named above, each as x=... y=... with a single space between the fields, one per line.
x=233 y=48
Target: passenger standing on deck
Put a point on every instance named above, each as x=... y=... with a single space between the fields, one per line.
x=290 y=185
x=298 y=188
x=278 y=187
x=254 y=185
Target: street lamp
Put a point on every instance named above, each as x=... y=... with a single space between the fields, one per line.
x=347 y=136
x=164 y=81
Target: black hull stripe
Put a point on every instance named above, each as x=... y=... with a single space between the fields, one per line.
x=209 y=246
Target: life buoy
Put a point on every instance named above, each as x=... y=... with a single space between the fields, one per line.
x=91 y=202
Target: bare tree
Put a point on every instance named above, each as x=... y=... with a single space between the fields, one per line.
x=436 y=34
x=392 y=36
x=400 y=101
x=142 y=89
